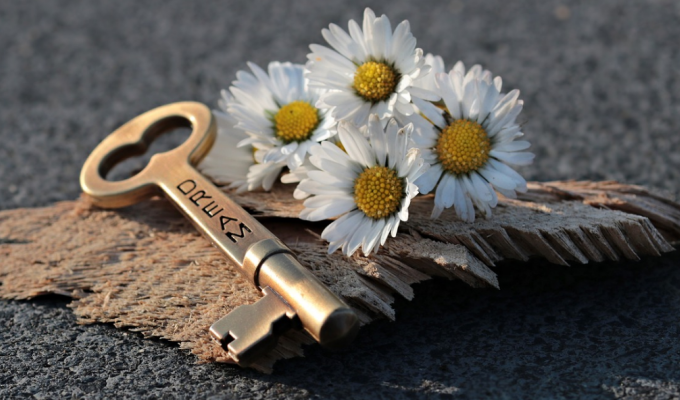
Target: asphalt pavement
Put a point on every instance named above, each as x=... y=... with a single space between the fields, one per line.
x=601 y=86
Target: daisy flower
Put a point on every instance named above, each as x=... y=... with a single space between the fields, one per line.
x=234 y=166
x=368 y=71
x=369 y=187
x=472 y=140
x=277 y=110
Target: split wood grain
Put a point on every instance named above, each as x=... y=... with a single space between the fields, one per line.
x=145 y=268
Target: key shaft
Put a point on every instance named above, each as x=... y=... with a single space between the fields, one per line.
x=293 y=295
x=228 y=226
x=262 y=258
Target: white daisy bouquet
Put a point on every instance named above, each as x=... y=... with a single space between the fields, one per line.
x=366 y=125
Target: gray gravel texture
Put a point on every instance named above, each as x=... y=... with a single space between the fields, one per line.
x=601 y=85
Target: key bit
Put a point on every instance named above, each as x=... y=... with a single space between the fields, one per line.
x=253 y=330
x=293 y=295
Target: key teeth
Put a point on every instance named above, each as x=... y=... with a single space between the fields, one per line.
x=245 y=353
x=252 y=330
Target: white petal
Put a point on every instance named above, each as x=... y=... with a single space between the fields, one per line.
x=373 y=237
x=483 y=189
x=378 y=137
x=496 y=178
x=522 y=158
x=326 y=207
x=335 y=169
x=296 y=159
x=356 y=145
x=358 y=236
x=510 y=173
x=328 y=80
x=401 y=34
x=361 y=52
x=513 y=146
x=406 y=109
x=333 y=152
x=386 y=230
x=489 y=102
x=325 y=177
x=342 y=227
x=429 y=179
x=507 y=134
x=342 y=98
x=339 y=40
x=404 y=82
x=431 y=112
x=313 y=187
x=395 y=226
x=447 y=190
x=463 y=204
x=424 y=94
x=344 y=111
x=322 y=53
x=381 y=109
x=361 y=116
x=449 y=95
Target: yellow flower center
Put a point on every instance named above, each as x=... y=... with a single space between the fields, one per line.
x=378 y=192
x=296 y=121
x=463 y=147
x=375 y=81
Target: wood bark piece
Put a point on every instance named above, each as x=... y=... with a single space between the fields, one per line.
x=561 y=232
x=145 y=267
x=661 y=211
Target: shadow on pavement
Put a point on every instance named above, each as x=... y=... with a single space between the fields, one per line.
x=550 y=331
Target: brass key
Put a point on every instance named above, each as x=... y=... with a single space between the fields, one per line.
x=293 y=297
